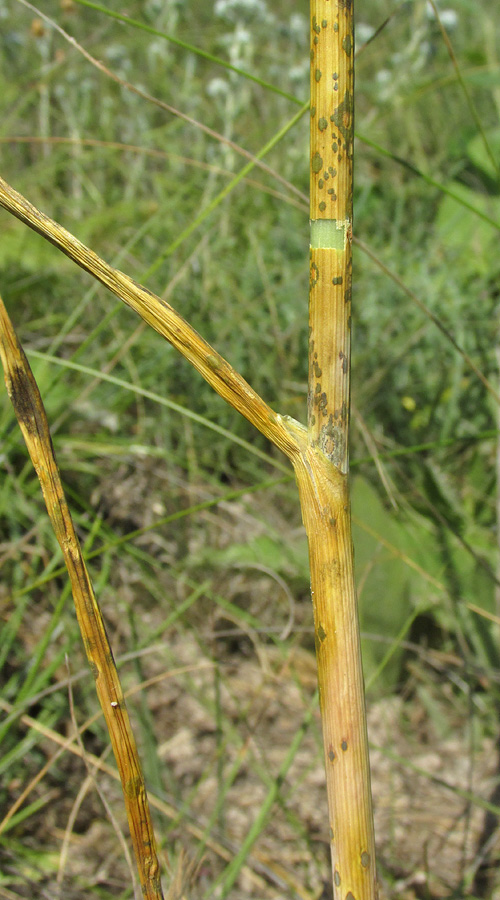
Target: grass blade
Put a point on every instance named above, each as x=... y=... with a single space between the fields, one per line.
x=28 y=406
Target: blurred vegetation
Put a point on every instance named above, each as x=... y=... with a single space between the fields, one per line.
x=129 y=178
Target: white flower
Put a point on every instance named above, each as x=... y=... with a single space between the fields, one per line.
x=298 y=26
x=449 y=18
x=217 y=87
x=363 y=32
x=238 y=9
x=383 y=76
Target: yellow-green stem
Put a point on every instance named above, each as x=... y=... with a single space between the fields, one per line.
x=322 y=468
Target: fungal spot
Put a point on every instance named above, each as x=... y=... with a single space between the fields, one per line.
x=322 y=124
x=365 y=859
x=89 y=646
x=335 y=76
x=316 y=163
x=326 y=176
x=347 y=45
x=333 y=521
x=321 y=633
x=336 y=878
x=315 y=25
x=322 y=402
x=324 y=23
x=344 y=745
x=335 y=147
x=332 y=171
x=321 y=184
x=335 y=26
x=94 y=669
x=322 y=206
x=313 y=112
x=350 y=896
x=335 y=87
x=343 y=119
x=316 y=39
x=332 y=193
x=318 y=389
x=311 y=55
x=314 y=275
x=337 y=279
x=317 y=371
x=134 y=786
x=317 y=74
x=213 y=361
x=331 y=755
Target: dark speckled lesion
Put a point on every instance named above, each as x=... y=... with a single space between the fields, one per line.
x=332 y=441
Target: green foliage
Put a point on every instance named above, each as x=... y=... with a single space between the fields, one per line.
x=128 y=178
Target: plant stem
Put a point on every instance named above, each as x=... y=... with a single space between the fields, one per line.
x=30 y=412
x=322 y=471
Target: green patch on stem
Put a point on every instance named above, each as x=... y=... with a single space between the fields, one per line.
x=328 y=234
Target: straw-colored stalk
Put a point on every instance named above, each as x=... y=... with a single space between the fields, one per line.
x=28 y=406
x=325 y=493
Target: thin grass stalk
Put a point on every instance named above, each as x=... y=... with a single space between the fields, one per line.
x=28 y=406
x=324 y=494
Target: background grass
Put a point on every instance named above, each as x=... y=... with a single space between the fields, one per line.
x=230 y=743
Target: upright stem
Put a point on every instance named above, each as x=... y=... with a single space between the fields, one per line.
x=322 y=470
x=332 y=77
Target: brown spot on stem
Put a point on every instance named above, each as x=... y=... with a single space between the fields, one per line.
x=94 y=669
x=343 y=118
x=134 y=786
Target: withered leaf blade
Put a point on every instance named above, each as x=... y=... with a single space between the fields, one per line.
x=30 y=412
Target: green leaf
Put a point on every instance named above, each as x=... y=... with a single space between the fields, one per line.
x=472 y=239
